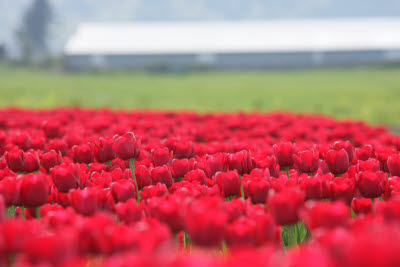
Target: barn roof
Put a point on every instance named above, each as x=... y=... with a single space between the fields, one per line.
x=235 y=37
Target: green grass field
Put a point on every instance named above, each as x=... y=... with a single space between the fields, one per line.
x=369 y=94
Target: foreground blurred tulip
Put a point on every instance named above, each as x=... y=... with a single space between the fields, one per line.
x=205 y=221
x=325 y=214
x=285 y=205
x=337 y=161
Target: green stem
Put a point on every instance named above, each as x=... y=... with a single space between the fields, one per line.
x=373 y=206
x=132 y=167
x=224 y=246
x=23 y=212
x=287 y=172
x=184 y=240
x=11 y=211
x=292 y=240
x=109 y=162
x=241 y=189
x=37 y=212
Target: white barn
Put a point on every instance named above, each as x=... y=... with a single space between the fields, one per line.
x=235 y=45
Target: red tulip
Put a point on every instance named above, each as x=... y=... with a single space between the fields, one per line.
x=103 y=150
x=241 y=161
x=34 y=190
x=160 y=157
x=229 y=183
x=361 y=205
x=393 y=163
x=285 y=205
x=143 y=176
x=84 y=201
x=197 y=176
x=307 y=161
x=126 y=146
x=15 y=160
x=337 y=161
x=284 y=153
x=162 y=175
x=83 y=153
x=123 y=190
x=205 y=221
x=66 y=177
x=50 y=159
x=326 y=214
x=342 y=188
x=258 y=190
x=32 y=162
x=372 y=184
x=180 y=167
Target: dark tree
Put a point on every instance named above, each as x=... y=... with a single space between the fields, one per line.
x=33 y=31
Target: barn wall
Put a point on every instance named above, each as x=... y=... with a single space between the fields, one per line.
x=229 y=60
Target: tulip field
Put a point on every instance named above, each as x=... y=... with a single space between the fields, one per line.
x=99 y=187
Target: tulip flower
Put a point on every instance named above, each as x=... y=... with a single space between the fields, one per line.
x=393 y=163
x=337 y=161
x=127 y=147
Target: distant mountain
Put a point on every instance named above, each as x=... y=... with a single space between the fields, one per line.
x=69 y=13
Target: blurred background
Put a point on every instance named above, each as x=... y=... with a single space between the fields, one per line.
x=336 y=57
